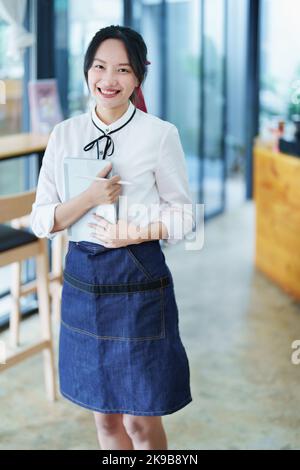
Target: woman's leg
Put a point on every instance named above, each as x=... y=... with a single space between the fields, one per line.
x=111 y=432
x=146 y=432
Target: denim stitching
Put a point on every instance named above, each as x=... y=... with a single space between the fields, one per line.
x=139 y=264
x=141 y=286
x=113 y=285
x=151 y=413
x=115 y=338
x=114 y=293
x=163 y=323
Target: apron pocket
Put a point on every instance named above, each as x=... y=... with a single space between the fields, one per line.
x=77 y=309
x=132 y=316
x=115 y=312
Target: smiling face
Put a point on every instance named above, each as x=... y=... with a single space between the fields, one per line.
x=111 y=79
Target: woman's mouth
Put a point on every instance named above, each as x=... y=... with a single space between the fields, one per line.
x=108 y=93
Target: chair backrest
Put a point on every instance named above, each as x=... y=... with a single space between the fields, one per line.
x=16 y=205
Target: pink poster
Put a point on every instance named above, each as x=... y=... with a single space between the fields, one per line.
x=44 y=104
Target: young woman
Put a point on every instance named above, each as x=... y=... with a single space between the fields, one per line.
x=120 y=352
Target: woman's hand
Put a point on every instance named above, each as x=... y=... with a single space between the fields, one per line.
x=104 y=192
x=115 y=235
x=124 y=233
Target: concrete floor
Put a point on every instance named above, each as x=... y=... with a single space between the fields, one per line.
x=237 y=328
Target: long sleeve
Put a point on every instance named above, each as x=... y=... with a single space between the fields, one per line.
x=173 y=188
x=47 y=198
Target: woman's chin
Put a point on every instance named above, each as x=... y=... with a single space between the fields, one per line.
x=103 y=103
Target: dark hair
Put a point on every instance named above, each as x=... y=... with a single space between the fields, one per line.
x=135 y=47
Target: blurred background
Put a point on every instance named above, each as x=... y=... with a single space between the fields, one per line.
x=227 y=74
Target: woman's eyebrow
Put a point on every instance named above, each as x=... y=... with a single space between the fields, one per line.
x=99 y=60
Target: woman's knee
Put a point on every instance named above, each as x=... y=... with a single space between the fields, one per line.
x=108 y=423
x=141 y=427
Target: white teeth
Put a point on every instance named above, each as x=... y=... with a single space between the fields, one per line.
x=109 y=92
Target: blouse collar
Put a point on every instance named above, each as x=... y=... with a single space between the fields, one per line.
x=108 y=131
x=114 y=125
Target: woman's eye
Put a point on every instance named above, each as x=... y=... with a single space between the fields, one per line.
x=98 y=66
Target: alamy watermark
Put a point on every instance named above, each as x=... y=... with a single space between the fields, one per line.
x=295 y=357
x=183 y=221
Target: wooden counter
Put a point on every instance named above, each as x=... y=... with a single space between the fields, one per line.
x=19 y=145
x=277 y=198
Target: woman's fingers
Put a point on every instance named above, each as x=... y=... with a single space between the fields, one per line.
x=113 y=195
x=113 y=181
x=103 y=241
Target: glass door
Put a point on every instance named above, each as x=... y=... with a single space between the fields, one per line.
x=83 y=20
x=183 y=106
x=213 y=106
x=186 y=85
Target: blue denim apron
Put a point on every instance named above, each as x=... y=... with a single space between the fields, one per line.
x=119 y=345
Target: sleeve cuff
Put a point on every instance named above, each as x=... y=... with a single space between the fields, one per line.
x=42 y=221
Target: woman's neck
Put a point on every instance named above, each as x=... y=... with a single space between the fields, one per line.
x=108 y=116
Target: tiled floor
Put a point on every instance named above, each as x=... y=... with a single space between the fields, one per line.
x=237 y=328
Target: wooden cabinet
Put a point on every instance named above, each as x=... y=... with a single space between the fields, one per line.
x=277 y=198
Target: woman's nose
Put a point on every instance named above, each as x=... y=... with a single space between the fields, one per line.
x=109 y=78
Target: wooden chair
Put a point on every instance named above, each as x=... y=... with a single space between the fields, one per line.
x=58 y=252
x=59 y=246
x=17 y=245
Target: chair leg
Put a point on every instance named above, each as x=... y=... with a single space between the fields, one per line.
x=15 y=316
x=56 y=301
x=42 y=270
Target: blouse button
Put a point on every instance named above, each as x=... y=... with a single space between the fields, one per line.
x=101 y=153
x=107 y=130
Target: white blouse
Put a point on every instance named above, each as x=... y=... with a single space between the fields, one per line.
x=144 y=150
